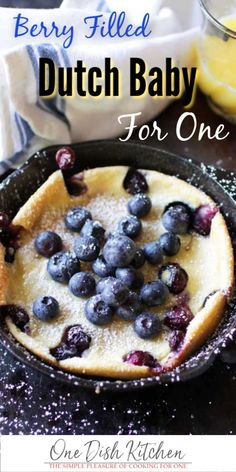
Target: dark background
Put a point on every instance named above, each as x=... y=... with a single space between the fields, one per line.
x=31 y=3
x=33 y=404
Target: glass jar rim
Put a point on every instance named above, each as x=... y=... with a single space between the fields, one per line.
x=214 y=20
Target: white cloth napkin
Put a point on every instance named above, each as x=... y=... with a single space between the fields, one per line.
x=28 y=122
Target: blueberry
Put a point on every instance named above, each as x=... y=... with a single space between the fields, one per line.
x=76 y=217
x=153 y=252
x=4 y=236
x=176 y=339
x=101 y=268
x=114 y=292
x=115 y=234
x=178 y=317
x=87 y=248
x=135 y=182
x=65 y=158
x=119 y=251
x=140 y=358
x=102 y=283
x=170 y=243
x=202 y=219
x=47 y=243
x=10 y=253
x=131 y=308
x=139 y=258
x=93 y=228
x=98 y=312
x=9 y=234
x=74 y=336
x=177 y=218
x=82 y=284
x=46 y=308
x=130 y=225
x=139 y=205
x=62 y=265
x=147 y=325
x=174 y=276
x=75 y=185
x=62 y=352
x=74 y=342
x=18 y=315
x=154 y=293
x=131 y=277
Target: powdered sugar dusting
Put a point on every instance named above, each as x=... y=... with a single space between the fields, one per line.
x=108 y=210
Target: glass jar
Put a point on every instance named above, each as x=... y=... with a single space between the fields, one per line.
x=217 y=56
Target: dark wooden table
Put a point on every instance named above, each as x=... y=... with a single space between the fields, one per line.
x=32 y=404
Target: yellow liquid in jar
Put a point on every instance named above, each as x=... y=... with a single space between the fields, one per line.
x=217 y=68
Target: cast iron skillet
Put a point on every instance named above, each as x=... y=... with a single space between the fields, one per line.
x=20 y=185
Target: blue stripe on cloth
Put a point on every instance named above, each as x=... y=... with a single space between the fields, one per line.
x=11 y=163
x=48 y=105
x=24 y=129
x=20 y=131
x=102 y=6
x=14 y=130
x=34 y=62
x=48 y=51
x=67 y=63
x=4 y=167
x=21 y=137
x=53 y=52
x=65 y=57
x=27 y=129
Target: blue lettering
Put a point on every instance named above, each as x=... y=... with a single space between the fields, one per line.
x=34 y=31
x=94 y=26
x=116 y=26
x=20 y=24
x=120 y=22
x=111 y=23
x=141 y=30
x=41 y=29
x=69 y=32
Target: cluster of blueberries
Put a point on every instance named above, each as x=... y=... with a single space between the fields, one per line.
x=117 y=265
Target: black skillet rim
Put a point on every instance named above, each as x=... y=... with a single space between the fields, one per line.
x=182 y=373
